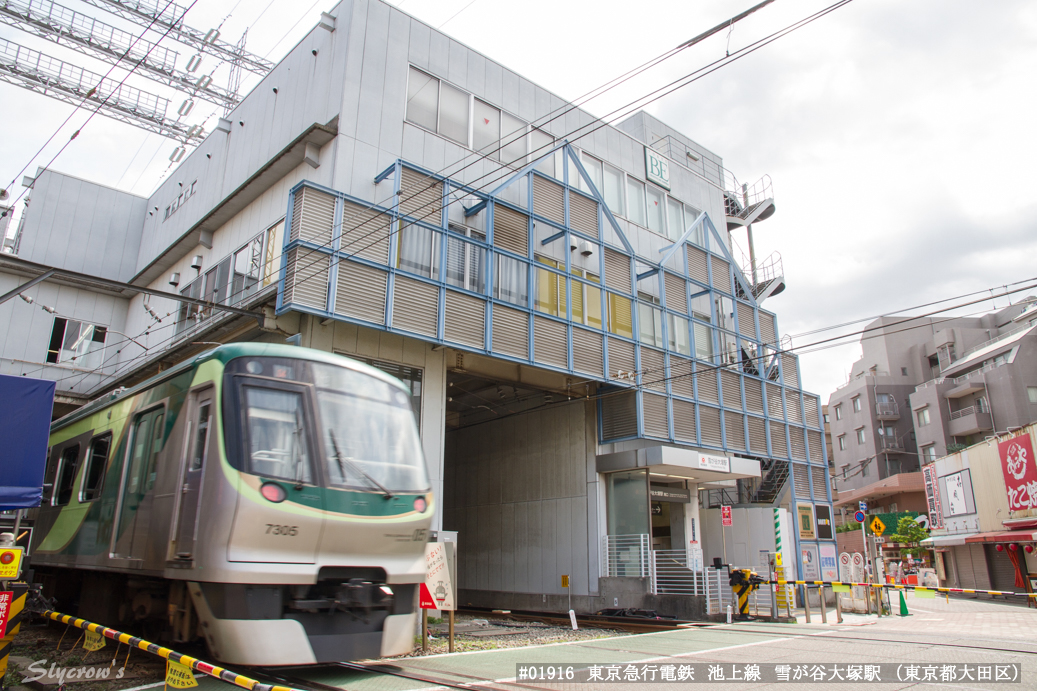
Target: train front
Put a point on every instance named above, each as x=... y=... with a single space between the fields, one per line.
x=324 y=548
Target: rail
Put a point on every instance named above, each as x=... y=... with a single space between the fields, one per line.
x=673 y=573
x=887 y=408
x=975 y=373
x=1011 y=331
x=963 y=412
x=932 y=382
x=739 y=196
x=627 y=556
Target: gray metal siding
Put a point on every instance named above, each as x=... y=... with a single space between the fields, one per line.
x=753 y=395
x=684 y=421
x=746 y=323
x=548 y=199
x=676 y=293
x=721 y=274
x=365 y=233
x=815 y=446
x=421 y=197
x=778 y=447
x=617 y=271
x=306 y=278
x=697 y=265
x=549 y=342
x=587 y=352
x=415 y=306
x=707 y=385
x=510 y=332
x=619 y=416
x=511 y=230
x=734 y=429
x=681 y=378
x=768 y=332
x=801 y=481
x=799 y=445
x=361 y=292
x=313 y=216
x=709 y=420
x=790 y=370
x=757 y=435
x=774 y=402
x=583 y=214
x=621 y=357
x=653 y=366
x=656 y=424
x=465 y=319
x=732 y=392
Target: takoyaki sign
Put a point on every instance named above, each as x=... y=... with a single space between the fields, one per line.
x=437 y=592
x=1020 y=470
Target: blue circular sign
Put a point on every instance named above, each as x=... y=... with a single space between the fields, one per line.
x=859 y=516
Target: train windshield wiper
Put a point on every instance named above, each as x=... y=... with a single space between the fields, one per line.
x=339 y=459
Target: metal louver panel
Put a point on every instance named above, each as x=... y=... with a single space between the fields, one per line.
x=681 y=377
x=721 y=274
x=313 y=215
x=753 y=396
x=676 y=292
x=778 y=447
x=709 y=421
x=619 y=416
x=818 y=476
x=774 y=406
x=801 y=481
x=684 y=421
x=361 y=292
x=746 y=323
x=421 y=197
x=707 y=386
x=792 y=404
x=548 y=200
x=757 y=435
x=734 y=429
x=621 y=357
x=587 y=352
x=365 y=233
x=617 y=271
x=798 y=443
x=768 y=334
x=732 y=390
x=306 y=278
x=814 y=446
x=790 y=370
x=697 y=265
x=583 y=214
x=465 y=319
x=510 y=332
x=810 y=416
x=415 y=306
x=653 y=369
x=549 y=342
x=656 y=424
x=510 y=230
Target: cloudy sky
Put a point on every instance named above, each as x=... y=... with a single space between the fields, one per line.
x=899 y=135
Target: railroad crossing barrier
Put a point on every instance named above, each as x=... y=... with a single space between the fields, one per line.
x=901 y=586
x=14 y=614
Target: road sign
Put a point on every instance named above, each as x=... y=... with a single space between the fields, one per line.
x=862 y=505
x=877 y=526
x=725 y=515
x=565 y=580
x=859 y=516
x=437 y=592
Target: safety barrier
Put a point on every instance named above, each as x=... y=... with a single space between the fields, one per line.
x=899 y=586
x=155 y=649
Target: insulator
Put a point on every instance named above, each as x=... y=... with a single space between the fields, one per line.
x=204 y=81
x=211 y=36
x=194 y=63
x=186 y=107
x=178 y=153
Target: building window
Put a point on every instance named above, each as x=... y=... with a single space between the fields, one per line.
x=96 y=461
x=1031 y=391
x=929 y=453
x=903 y=371
x=77 y=343
x=550 y=289
x=650 y=324
x=586 y=299
x=621 y=321
x=846 y=469
x=512 y=281
x=860 y=436
x=842 y=442
x=856 y=401
x=678 y=334
x=864 y=469
x=923 y=417
x=827 y=420
x=423 y=100
x=465 y=260
x=981 y=404
x=839 y=412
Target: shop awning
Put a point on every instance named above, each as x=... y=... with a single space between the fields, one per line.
x=956 y=540
x=1004 y=536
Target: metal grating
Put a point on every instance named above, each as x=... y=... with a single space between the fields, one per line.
x=583 y=214
x=774 y=402
x=810 y=416
x=768 y=332
x=549 y=342
x=746 y=323
x=732 y=390
x=778 y=446
x=820 y=482
x=465 y=318
x=681 y=377
x=306 y=278
x=617 y=271
x=757 y=435
x=653 y=369
x=548 y=200
x=709 y=421
x=792 y=404
x=361 y=292
x=684 y=421
x=510 y=332
x=753 y=396
x=313 y=215
x=365 y=233
x=587 y=352
x=707 y=386
x=798 y=443
x=415 y=306
x=733 y=426
x=656 y=424
x=421 y=197
x=619 y=416
x=721 y=274
x=697 y=265
x=621 y=357
x=814 y=446
x=801 y=481
x=676 y=292
x=511 y=230
x=790 y=370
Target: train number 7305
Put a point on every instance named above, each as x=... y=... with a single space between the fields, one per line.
x=289 y=530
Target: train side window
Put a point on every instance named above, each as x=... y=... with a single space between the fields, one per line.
x=66 y=476
x=277 y=434
x=156 y=447
x=147 y=442
x=96 y=462
x=202 y=437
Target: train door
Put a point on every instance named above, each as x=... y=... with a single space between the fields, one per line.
x=130 y=538
x=195 y=455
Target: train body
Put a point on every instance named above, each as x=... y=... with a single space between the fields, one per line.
x=272 y=499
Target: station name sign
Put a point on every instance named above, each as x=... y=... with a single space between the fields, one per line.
x=674 y=494
x=720 y=464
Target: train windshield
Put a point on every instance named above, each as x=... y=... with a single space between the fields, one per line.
x=370 y=438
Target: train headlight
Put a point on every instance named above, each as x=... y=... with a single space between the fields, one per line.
x=420 y=504
x=274 y=492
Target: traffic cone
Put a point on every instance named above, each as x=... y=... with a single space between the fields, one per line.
x=903 y=606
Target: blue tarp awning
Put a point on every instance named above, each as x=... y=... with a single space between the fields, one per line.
x=25 y=409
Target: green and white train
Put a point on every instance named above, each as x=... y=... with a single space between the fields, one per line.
x=270 y=498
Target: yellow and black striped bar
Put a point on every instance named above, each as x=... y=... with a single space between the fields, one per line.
x=14 y=623
x=155 y=649
x=897 y=586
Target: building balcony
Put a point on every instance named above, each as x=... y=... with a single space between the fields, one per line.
x=891 y=444
x=969 y=421
x=887 y=410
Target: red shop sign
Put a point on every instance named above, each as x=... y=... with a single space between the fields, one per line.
x=1020 y=471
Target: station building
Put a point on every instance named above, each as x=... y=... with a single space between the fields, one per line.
x=592 y=372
